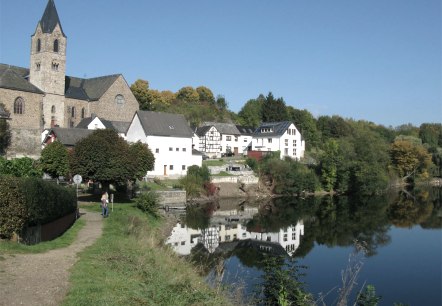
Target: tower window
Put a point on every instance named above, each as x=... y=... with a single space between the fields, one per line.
x=54 y=66
x=56 y=45
x=73 y=112
x=53 y=109
x=37 y=66
x=38 y=45
x=82 y=113
x=19 y=106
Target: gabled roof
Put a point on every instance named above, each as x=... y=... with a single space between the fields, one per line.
x=88 y=89
x=164 y=124
x=119 y=126
x=245 y=130
x=224 y=128
x=68 y=137
x=50 y=19
x=278 y=128
x=14 y=78
x=201 y=131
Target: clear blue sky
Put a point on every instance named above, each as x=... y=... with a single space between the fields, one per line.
x=376 y=60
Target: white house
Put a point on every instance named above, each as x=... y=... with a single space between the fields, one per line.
x=245 y=138
x=279 y=136
x=170 y=139
x=209 y=141
x=95 y=123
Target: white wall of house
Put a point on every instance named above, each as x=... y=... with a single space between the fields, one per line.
x=230 y=142
x=173 y=155
x=210 y=143
x=290 y=144
x=245 y=141
x=95 y=124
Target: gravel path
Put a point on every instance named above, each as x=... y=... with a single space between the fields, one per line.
x=43 y=279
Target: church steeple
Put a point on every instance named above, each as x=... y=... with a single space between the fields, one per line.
x=50 y=19
x=48 y=53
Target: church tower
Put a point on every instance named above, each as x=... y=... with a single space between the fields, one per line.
x=48 y=64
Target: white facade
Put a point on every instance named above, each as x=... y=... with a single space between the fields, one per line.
x=289 y=143
x=173 y=155
x=210 y=142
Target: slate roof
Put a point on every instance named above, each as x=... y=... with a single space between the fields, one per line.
x=245 y=130
x=15 y=78
x=224 y=128
x=50 y=18
x=196 y=152
x=201 y=131
x=119 y=126
x=164 y=124
x=279 y=128
x=69 y=137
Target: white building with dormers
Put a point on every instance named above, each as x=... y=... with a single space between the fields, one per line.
x=279 y=136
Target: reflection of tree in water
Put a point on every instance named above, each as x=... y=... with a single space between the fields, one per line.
x=411 y=208
x=198 y=217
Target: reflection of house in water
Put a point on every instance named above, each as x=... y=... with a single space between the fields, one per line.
x=229 y=228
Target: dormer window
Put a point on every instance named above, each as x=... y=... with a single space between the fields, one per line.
x=56 y=45
x=171 y=127
x=266 y=130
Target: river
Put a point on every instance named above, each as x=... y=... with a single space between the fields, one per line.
x=393 y=242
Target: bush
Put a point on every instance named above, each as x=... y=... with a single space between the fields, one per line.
x=30 y=201
x=148 y=202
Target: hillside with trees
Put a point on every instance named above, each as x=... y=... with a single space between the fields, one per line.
x=343 y=155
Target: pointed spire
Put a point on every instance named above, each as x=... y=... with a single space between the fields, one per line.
x=50 y=19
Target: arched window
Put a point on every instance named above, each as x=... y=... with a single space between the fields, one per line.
x=53 y=109
x=19 y=106
x=82 y=113
x=38 y=45
x=73 y=112
x=119 y=99
x=56 y=45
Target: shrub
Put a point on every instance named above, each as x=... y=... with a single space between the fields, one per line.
x=148 y=202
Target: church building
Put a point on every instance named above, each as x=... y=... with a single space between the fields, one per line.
x=43 y=96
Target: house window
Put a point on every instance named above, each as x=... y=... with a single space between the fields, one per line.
x=184 y=149
x=236 y=138
x=289 y=131
x=73 y=112
x=286 y=142
x=53 y=109
x=38 y=45
x=37 y=66
x=177 y=149
x=170 y=149
x=171 y=167
x=220 y=148
x=83 y=113
x=285 y=237
x=157 y=150
x=294 y=236
x=245 y=139
x=183 y=167
x=294 y=152
x=269 y=140
x=228 y=138
x=294 y=142
x=119 y=99
x=220 y=137
x=19 y=106
x=286 y=151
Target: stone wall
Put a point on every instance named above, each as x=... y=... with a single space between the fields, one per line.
x=246 y=179
x=172 y=197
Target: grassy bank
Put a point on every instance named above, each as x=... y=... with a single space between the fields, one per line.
x=129 y=265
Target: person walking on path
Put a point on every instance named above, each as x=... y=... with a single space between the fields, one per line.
x=104 y=205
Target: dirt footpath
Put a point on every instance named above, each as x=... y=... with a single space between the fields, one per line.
x=43 y=279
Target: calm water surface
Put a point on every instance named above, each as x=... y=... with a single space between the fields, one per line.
x=400 y=235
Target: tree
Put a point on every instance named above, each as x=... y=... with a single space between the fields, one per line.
x=140 y=89
x=410 y=158
x=106 y=157
x=329 y=162
x=188 y=94
x=250 y=113
x=54 y=159
x=431 y=134
x=5 y=132
x=205 y=94
x=274 y=110
x=333 y=127
x=143 y=159
x=221 y=103
x=306 y=124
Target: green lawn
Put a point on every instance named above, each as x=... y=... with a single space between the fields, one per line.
x=129 y=265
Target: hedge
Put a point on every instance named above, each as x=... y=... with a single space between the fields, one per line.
x=30 y=201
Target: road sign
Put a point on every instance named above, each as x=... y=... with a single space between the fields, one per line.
x=78 y=179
